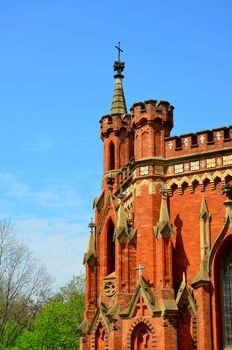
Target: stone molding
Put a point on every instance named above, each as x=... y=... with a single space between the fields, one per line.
x=199 y=179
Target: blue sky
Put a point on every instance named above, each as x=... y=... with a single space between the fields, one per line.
x=56 y=81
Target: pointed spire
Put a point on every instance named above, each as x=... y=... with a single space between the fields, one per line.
x=163 y=227
x=202 y=276
x=118 y=103
x=204 y=231
x=121 y=232
x=122 y=222
x=204 y=210
x=124 y=231
x=164 y=215
x=184 y=293
x=90 y=255
x=227 y=189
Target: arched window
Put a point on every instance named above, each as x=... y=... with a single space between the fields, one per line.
x=110 y=248
x=100 y=338
x=186 y=325
x=141 y=337
x=227 y=295
x=145 y=144
x=123 y=154
x=112 y=156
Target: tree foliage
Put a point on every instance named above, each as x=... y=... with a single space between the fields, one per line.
x=55 y=328
x=24 y=286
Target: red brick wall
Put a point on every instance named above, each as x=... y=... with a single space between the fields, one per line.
x=170 y=162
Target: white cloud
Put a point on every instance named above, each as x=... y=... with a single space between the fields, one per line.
x=52 y=195
x=40 y=145
x=12 y=186
x=52 y=222
x=58 y=243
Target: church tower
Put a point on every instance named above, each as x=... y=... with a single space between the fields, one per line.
x=160 y=242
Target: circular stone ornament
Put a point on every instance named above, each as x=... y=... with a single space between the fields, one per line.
x=109 y=288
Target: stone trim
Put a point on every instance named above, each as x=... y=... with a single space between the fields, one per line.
x=151 y=185
x=135 y=188
x=218 y=242
x=200 y=179
x=202 y=276
x=142 y=289
x=109 y=202
x=94 y=333
x=150 y=327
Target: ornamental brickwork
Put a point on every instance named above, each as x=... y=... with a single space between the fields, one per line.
x=158 y=260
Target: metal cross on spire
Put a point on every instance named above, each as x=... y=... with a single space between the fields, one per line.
x=91 y=225
x=119 y=50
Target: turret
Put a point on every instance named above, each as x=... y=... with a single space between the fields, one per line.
x=152 y=121
x=116 y=127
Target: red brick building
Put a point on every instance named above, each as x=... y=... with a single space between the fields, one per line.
x=159 y=258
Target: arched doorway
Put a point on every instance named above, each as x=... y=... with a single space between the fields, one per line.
x=141 y=337
x=100 y=338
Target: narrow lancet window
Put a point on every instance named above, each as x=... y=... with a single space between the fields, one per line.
x=110 y=249
x=112 y=156
x=227 y=296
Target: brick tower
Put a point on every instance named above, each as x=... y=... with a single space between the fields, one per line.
x=159 y=258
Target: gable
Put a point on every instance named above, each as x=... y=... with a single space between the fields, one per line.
x=100 y=316
x=141 y=299
x=109 y=207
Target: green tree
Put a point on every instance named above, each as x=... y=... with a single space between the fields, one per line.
x=55 y=328
x=24 y=286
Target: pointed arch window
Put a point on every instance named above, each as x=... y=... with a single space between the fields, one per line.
x=112 y=156
x=144 y=144
x=110 y=248
x=100 y=338
x=141 y=337
x=227 y=295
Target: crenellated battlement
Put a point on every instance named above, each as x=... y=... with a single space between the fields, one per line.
x=161 y=233
x=151 y=111
x=109 y=125
x=201 y=141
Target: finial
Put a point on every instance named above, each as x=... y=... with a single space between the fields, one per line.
x=91 y=225
x=119 y=65
x=110 y=181
x=184 y=278
x=121 y=195
x=119 y=51
x=118 y=103
x=164 y=192
x=227 y=190
x=164 y=227
x=140 y=268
